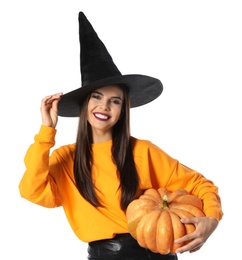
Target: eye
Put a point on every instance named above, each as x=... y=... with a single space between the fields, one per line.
x=116 y=101
x=95 y=96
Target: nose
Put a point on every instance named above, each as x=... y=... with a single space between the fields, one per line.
x=104 y=104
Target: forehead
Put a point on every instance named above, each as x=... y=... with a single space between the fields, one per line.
x=114 y=90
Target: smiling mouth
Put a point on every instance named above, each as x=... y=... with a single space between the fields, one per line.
x=101 y=116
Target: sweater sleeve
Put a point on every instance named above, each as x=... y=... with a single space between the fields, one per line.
x=198 y=185
x=37 y=185
x=161 y=170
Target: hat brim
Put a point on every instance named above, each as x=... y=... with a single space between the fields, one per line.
x=142 y=89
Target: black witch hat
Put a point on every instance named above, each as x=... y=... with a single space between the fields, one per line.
x=98 y=70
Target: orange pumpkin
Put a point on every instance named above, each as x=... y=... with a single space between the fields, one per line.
x=154 y=218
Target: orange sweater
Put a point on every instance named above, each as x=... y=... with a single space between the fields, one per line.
x=49 y=181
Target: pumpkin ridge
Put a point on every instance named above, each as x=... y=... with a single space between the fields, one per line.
x=145 y=230
x=196 y=212
x=177 y=194
x=189 y=227
x=178 y=231
x=189 y=199
x=149 y=196
x=164 y=227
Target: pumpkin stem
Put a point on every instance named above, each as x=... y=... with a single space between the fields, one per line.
x=165 y=202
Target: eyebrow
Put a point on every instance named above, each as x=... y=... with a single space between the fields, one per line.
x=100 y=93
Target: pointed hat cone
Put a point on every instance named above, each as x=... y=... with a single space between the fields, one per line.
x=98 y=70
x=96 y=62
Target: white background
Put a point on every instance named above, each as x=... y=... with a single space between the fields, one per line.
x=193 y=47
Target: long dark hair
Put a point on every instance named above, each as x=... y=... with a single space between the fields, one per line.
x=122 y=155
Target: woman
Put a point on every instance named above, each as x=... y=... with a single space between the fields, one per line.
x=96 y=178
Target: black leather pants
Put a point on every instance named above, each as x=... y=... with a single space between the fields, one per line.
x=123 y=247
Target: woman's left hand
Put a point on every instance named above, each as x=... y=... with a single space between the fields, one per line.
x=194 y=241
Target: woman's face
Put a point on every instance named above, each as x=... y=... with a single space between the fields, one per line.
x=104 y=109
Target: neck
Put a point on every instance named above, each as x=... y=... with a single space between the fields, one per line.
x=100 y=136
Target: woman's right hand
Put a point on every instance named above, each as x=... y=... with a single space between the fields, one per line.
x=49 y=110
